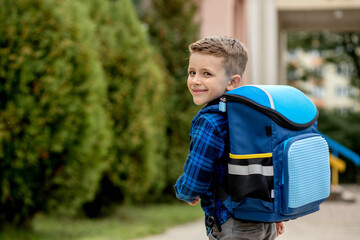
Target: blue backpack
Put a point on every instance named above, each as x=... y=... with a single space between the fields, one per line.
x=279 y=164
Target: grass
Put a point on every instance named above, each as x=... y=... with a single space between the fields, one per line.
x=125 y=223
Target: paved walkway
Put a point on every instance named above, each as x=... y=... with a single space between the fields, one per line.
x=336 y=220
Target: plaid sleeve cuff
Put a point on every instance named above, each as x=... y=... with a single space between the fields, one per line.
x=182 y=196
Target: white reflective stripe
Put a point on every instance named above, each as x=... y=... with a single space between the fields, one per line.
x=269 y=96
x=251 y=169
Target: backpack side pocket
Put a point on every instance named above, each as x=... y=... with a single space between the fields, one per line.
x=306 y=173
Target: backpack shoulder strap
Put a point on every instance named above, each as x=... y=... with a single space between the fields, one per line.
x=211 y=107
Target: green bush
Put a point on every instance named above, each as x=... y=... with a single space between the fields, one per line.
x=54 y=131
x=135 y=103
x=172 y=28
x=345 y=129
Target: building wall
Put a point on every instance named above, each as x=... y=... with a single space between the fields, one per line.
x=254 y=23
x=317 y=4
x=225 y=18
x=217 y=17
x=263 y=42
x=339 y=93
x=262 y=26
x=330 y=88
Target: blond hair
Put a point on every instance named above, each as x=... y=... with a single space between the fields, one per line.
x=233 y=51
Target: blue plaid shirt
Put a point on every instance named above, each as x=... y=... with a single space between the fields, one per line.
x=207 y=152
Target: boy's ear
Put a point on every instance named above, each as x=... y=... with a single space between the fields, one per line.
x=234 y=82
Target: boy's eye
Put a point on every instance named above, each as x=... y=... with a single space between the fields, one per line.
x=192 y=73
x=207 y=74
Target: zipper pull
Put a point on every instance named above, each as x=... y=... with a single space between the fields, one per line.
x=222 y=104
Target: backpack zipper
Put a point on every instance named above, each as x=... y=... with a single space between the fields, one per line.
x=222 y=104
x=271 y=113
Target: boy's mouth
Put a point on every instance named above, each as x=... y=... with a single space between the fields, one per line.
x=198 y=91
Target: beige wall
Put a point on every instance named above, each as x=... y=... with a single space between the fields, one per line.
x=217 y=17
x=225 y=18
x=254 y=23
x=316 y=4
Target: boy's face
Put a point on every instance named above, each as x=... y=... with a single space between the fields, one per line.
x=207 y=78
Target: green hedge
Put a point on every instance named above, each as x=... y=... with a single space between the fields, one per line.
x=54 y=130
x=172 y=28
x=82 y=99
x=136 y=86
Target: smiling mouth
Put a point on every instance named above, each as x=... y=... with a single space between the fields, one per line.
x=198 y=91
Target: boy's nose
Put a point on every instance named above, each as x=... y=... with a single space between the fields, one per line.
x=196 y=80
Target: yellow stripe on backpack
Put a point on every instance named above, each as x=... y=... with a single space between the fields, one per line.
x=251 y=156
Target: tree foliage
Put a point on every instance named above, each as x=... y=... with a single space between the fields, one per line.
x=81 y=100
x=135 y=103
x=54 y=130
x=345 y=129
x=171 y=27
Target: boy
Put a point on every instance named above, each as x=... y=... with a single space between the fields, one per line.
x=216 y=65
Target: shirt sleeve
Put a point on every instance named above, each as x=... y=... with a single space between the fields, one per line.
x=206 y=146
